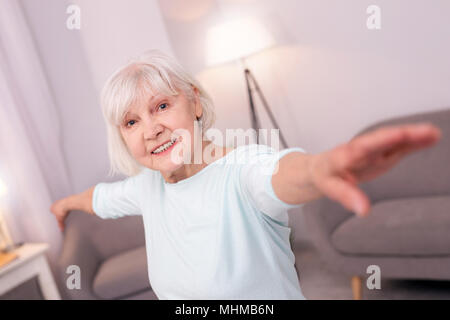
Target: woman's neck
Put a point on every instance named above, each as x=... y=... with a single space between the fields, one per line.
x=190 y=169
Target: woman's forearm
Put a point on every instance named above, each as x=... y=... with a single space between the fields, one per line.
x=292 y=182
x=81 y=201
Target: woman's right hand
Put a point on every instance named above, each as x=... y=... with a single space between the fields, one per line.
x=60 y=210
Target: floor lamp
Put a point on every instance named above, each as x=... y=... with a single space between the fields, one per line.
x=236 y=40
x=250 y=80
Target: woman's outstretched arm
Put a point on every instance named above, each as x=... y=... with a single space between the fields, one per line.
x=81 y=201
x=336 y=173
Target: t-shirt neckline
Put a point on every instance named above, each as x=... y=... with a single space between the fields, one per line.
x=184 y=181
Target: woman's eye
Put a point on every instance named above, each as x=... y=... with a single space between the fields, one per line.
x=131 y=121
x=163 y=105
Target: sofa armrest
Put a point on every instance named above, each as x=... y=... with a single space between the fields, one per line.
x=78 y=250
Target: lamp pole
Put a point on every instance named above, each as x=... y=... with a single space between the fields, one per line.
x=249 y=80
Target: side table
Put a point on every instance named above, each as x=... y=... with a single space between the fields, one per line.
x=31 y=262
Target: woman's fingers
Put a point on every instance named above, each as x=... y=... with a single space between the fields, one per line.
x=346 y=193
x=395 y=154
x=390 y=138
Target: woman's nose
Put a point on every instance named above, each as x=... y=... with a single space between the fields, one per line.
x=152 y=130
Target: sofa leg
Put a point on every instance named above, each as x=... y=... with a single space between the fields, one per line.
x=357 y=287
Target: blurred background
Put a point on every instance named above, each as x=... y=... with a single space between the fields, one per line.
x=326 y=75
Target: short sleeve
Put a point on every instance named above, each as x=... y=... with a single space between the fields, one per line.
x=256 y=180
x=117 y=199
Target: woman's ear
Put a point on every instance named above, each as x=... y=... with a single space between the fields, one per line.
x=196 y=93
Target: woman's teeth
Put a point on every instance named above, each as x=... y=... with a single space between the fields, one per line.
x=164 y=147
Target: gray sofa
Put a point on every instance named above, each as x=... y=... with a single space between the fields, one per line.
x=407 y=233
x=111 y=256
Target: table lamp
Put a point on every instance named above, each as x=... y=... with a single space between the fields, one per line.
x=236 y=40
x=5 y=239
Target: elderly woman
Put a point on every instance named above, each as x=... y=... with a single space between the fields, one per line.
x=217 y=227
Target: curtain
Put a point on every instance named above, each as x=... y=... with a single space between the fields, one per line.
x=32 y=162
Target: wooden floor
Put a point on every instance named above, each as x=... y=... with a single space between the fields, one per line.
x=319 y=282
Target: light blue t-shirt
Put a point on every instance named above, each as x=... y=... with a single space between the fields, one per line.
x=219 y=234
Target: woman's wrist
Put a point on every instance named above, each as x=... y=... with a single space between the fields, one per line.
x=313 y=164
x=69 y=203
x=80 y=201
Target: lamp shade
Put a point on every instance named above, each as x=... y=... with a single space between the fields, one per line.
x=235 y=40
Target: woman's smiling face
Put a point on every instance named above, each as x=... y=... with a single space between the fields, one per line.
x=153 y=121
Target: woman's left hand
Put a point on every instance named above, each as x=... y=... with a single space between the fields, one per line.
x=337 y=172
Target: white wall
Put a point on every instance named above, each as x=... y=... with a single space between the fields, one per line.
x=329 y=76
x=113 y=31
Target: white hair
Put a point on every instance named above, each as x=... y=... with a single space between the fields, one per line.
x=152 y=71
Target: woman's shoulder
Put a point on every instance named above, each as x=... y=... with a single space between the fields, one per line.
x=246 y=153
x=220 y=153
x=227 y=150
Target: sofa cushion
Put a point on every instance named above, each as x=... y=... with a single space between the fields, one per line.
x=400 y=227
x=122 y=275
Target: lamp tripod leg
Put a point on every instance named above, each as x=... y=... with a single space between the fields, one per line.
x=253 y=116
x=255 y=122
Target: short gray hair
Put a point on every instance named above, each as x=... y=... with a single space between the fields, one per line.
x=152 y=70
